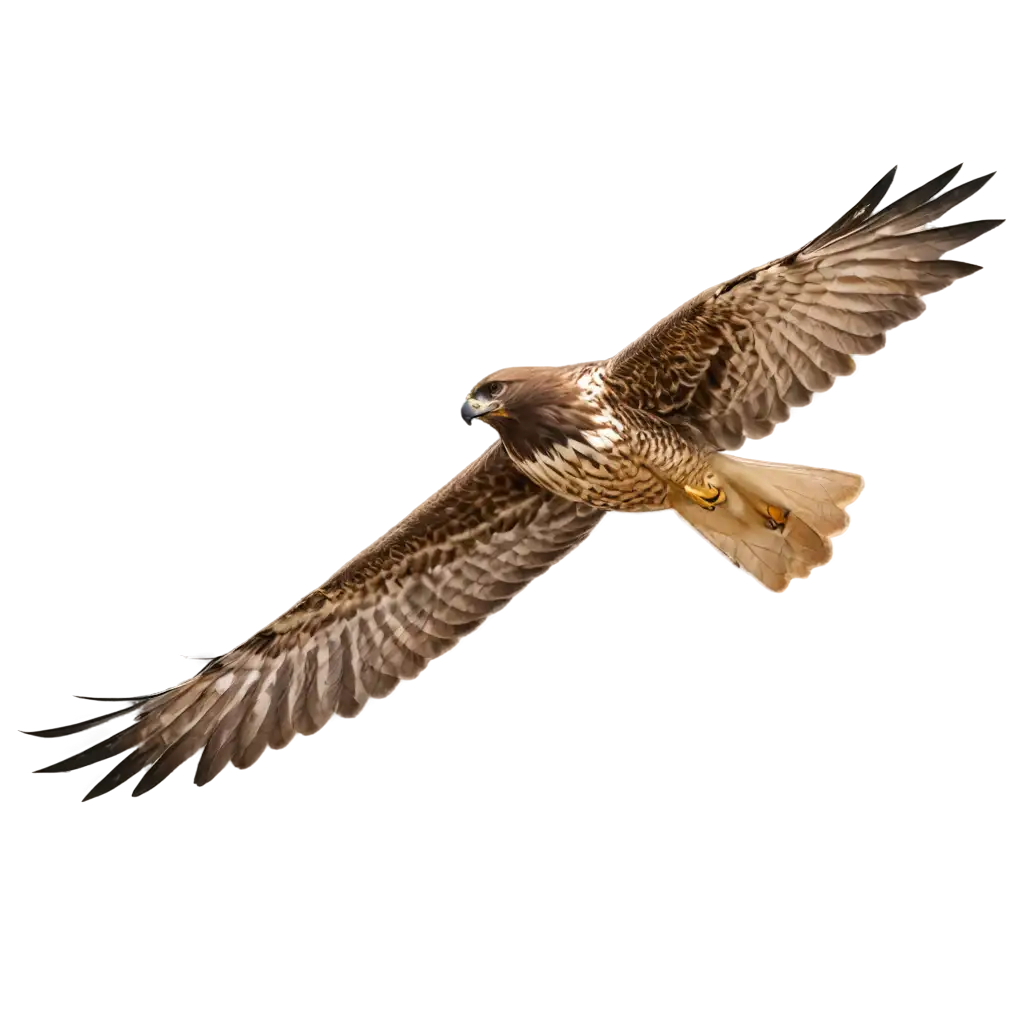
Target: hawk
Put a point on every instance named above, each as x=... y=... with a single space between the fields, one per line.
x=642 y=431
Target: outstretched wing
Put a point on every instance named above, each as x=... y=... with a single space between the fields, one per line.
x=734 y=359
x=406 y=599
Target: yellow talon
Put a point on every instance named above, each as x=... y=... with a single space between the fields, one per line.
x=707 y=497
x=774 y=517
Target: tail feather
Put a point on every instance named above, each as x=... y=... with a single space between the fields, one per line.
x=776 y=520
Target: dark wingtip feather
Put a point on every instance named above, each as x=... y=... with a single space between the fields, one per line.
x=42 y=733
x=50 y=769
x=146 y=783
x=874 y=195
x=115 y=744
x=940 y=181
x=73 y=726
x=981 y=181
x=145 y=696
x=962 y=269
x=974 y=228
x=857 y=213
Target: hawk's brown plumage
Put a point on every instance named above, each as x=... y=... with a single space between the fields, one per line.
x=639 y=432
x=735 y=358
x=406 y=599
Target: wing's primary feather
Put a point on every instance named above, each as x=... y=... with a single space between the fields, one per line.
x=733 y=360
x=406 y=599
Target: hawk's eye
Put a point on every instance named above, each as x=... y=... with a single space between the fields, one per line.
x=495 y=389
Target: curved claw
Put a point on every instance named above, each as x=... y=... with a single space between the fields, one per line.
x=774 y=517
x=709 y=497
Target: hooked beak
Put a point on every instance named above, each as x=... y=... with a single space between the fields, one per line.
x=472 y=408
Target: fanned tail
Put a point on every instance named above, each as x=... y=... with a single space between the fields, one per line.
x=771 y=519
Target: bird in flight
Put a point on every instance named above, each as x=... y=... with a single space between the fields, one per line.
x=642 y=431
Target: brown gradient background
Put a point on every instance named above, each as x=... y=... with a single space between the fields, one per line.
x=248 y=261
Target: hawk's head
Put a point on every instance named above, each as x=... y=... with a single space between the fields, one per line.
x=530 y=407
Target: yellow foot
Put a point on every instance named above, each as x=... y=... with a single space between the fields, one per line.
x=774 y=517
x=707 y=497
